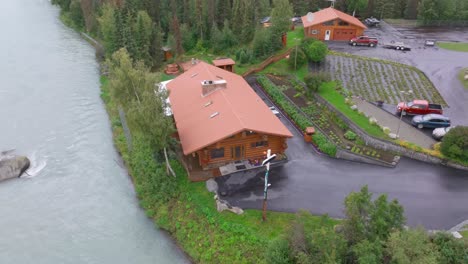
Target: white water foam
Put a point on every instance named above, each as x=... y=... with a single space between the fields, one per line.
x=36 y=166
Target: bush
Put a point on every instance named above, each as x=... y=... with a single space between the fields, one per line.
x=350 y=135
x=278 y=252
x=455 y=143
x=451 y=250
x=297 y=58
x=316 y=51
x=324 y=144
x=313 y=80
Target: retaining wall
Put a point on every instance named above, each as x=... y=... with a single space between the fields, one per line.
x=387 y=145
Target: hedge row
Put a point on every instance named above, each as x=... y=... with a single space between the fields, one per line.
x=322 y=142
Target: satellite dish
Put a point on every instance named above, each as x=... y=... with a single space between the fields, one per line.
x=310 y=17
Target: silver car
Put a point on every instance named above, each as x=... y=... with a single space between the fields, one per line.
x=440 y=132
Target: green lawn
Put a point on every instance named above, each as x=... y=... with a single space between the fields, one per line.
x=295 y=37
x=461 y=77
x=328 y=92
x=455 y=46
x=281 y=67
x=464 y=234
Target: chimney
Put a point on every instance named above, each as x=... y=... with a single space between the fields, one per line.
x=209 y=86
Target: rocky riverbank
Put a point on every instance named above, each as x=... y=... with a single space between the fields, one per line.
x=12 y=166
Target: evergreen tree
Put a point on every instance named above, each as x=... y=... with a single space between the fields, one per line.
x=237 y=16
x=143 y=35
x=223 y=12
x=156 y=52
x=108 y=28
x=216 y=38
x=228 y=39
x=281 y=21
x=248 y=22
x=412 y=9
x=262 y=9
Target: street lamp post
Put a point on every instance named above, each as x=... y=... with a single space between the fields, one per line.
x=402 y=113
x=266 y=163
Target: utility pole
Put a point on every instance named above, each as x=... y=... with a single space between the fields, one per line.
x=266 y=163
x=402 y=113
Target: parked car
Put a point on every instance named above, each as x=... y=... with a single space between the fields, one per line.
x=429 y=42
x=364 y=40
x=430 y=120
x=418 y=107
x=440 y=132
x=372 y=22
x=274 y=110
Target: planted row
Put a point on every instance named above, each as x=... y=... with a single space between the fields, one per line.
x=301 y=121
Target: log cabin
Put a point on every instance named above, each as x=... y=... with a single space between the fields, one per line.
x=220 y=119
x=332 y=24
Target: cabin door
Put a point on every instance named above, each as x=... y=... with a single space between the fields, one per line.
x=327 y=35
x=239 y=152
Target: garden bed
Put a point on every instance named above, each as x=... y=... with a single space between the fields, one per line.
x=376 y=80
x=328 y=122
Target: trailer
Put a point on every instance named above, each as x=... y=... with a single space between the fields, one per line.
x=397 y=46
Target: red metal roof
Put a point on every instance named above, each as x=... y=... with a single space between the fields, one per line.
x=237 y=106
x=223 y=62
x=328 y=14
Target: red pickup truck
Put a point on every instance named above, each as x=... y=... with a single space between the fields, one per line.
x=418 y=107
x=364 y=40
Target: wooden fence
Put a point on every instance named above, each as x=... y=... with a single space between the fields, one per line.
x=267 y=62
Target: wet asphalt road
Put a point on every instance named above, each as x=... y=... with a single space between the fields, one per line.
x=433 y=196
x=440 y=65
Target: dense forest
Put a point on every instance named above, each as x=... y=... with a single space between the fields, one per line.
x=145 y=26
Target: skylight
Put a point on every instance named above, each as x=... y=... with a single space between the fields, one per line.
x=214 y=114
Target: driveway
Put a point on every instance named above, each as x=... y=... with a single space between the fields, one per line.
x=433 y=196
x=440 y=65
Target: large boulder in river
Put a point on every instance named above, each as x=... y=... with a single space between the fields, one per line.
x=13 y=166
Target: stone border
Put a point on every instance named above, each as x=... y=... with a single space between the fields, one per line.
x=387 y=145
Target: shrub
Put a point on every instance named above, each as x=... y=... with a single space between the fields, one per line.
x=323 y=144
x=350 y=135
x=455 y=143
x=313 y=80
x=316 y=51
x=278 y=252
x=297 y=58
x=451 y=250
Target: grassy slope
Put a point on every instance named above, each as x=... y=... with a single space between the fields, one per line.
x=328 y=92
x=455 y=46
x=192 y=219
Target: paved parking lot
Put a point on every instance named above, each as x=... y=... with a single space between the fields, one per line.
x=433 y=196
x=441 y=66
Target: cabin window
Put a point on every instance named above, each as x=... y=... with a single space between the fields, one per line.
x=343 y=23
x=329 y=23
x=217 y=153
x=259 y=144
x=314 y=32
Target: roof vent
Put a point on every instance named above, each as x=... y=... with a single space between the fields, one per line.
x=310 y=17
x=209 y=86
x=214 y=114
x=208 y=103
x=193 y=75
